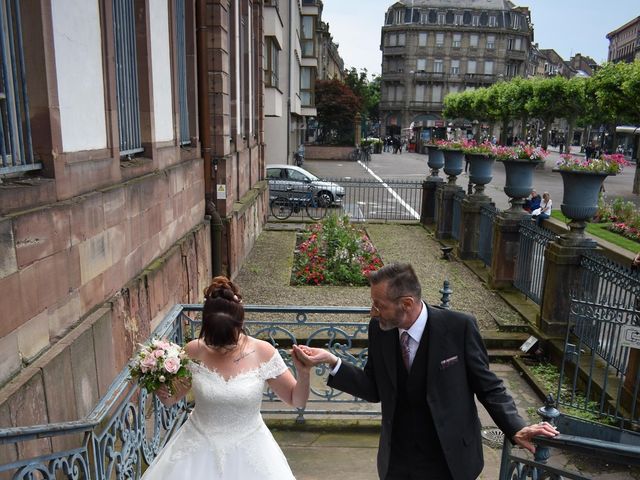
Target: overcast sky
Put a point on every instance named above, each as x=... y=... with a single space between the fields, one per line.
x=567 y=26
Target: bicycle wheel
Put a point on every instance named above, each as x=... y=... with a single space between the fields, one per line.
x=281 y=208
x=315 y=209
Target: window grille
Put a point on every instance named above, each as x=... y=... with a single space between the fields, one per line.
x=127 y=92
x=16 y=150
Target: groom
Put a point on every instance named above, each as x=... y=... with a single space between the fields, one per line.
x=425 y=365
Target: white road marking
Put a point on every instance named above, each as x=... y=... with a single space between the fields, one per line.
x=411 y=211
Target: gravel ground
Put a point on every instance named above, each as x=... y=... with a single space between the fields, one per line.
x=264 y=277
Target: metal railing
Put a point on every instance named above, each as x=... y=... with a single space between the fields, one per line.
x=128 y=427
x=369 y=199
x=456 y=215
x=185 y=135
x=485 y=235
x=127 y=91
x=514 y=466
x=598 y=342
x=16 y=149
x=529 y=274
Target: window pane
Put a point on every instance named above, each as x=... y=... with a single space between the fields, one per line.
x=422 y=39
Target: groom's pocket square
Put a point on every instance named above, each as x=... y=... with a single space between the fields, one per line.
x=448 y=362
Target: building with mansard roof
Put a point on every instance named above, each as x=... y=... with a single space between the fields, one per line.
x=431 y=48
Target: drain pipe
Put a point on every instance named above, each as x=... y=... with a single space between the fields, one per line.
x=204 y=117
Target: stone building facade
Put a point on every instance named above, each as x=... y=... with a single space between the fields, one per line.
x=103 y=224
x=434 y=47
x=624 y=42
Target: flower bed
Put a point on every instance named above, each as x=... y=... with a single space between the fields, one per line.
x=334 y=252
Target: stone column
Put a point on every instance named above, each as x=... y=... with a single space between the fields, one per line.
x=470 y=225
x=506 y=243
x=444 y=208
x=429 y=187
x=561 y=277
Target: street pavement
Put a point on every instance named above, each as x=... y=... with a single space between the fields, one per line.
x=413 y=166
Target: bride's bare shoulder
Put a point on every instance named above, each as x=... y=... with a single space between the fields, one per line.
x=193 y=349
x=264 y=349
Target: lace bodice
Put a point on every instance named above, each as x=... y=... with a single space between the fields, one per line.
x=233 y=404
x=227 y=411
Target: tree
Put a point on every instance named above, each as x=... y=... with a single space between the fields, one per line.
x=547 y=102
x=337 y=107
x=368 y=91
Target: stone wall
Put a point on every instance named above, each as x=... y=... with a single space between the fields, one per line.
x=66 y=382
x=327 y=152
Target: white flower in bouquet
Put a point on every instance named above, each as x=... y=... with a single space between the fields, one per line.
x=159 y=363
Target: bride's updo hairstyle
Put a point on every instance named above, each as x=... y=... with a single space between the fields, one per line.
x=223 y=313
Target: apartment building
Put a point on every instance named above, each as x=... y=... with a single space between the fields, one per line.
x=624 y=42
x=291 y=66
x=434 y=47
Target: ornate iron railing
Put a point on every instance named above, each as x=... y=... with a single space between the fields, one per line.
x=529 y=273
x=128 y=427
x=598 y=342
x=485 y=236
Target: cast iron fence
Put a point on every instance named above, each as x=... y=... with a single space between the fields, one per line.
x=485 y=235
x=529 y=274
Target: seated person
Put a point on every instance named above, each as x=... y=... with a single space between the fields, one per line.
x=532 y=203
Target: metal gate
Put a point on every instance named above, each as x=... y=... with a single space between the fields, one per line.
x=600 y=371
x=369 y=199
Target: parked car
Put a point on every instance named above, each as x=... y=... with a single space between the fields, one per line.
x=290 y=180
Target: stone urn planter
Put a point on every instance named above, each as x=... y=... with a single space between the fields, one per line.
x=453 y=164
x=580 y=200
x=480 y=171
x=519 y=183
x=436 y=159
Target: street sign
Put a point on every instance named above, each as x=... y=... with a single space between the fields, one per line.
x=630 y=336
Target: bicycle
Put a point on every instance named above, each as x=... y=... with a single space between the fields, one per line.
x=282 y=207
x=356 y=154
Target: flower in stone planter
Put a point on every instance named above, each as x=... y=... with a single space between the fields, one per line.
x=449 y=144
x=609 y=164
x=503 y=153
x=530 y=152
x=473 y=148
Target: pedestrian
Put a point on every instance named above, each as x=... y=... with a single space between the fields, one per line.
x=425 y=365
x=533 y=202
x=544 y=211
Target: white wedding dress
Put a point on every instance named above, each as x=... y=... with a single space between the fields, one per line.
x=225 y=437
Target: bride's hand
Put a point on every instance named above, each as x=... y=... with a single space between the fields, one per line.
x=299 y=359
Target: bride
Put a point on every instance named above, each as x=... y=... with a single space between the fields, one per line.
x=225 y=437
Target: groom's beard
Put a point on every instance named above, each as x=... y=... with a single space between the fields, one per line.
x=390 y=321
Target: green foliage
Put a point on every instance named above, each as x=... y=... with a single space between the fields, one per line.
x=548 y=376
x=368 y=91
x=337 y=107
x=334 y=252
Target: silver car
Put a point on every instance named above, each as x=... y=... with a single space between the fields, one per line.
x=289 y=180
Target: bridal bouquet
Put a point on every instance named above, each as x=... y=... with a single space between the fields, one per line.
x=159 y=363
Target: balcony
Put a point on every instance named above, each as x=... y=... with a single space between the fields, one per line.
x=392 y=105
x=423 y=76
x=393 y=75
x=426 y=106
x=516 y=54
x=479 y=78
x=397 y=50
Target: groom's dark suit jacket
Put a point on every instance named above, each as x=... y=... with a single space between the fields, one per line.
x=457 y=368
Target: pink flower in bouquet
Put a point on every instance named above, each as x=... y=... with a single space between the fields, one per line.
x=148 y=363
x=159 y=363
x=172 y=364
